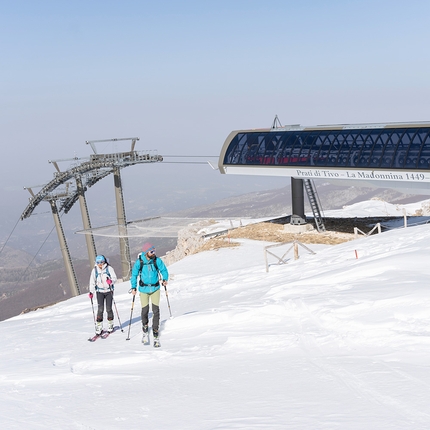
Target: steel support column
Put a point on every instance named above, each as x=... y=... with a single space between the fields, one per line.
x=70 y=272
x=298 y=202
x=91 y=246
x=122 y=226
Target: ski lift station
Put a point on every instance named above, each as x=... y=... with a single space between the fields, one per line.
x=392 y=155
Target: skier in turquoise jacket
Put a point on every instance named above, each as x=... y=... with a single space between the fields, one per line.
x=152 y=273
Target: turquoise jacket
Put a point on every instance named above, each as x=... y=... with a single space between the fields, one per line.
x=149 y=275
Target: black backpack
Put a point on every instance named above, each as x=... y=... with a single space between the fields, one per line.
x=154 y=262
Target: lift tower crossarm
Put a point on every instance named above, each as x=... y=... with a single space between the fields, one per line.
x=97 y=162
x=92 y=142
x=55 y=162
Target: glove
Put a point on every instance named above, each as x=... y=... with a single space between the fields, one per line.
x=90 y=295
x=109 y=281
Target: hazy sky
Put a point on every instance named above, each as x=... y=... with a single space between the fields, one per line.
x=182 y=74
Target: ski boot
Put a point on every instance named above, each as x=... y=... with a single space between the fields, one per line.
x=145 y=337
x=156 y=339
x=99 y=327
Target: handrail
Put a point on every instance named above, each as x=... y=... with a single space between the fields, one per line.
x=357 y=230
x=281 y=260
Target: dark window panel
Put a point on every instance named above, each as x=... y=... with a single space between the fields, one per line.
x=372 y=148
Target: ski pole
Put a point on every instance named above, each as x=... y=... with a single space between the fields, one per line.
x=160 y=280
x=131 y=314
x=117 y=314
x=109 y=282
x=92 y=305
x=167 y=297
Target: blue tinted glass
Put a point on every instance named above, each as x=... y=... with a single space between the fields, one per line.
x=391 y=141
x=394 y=148
x=414 y=149
x=325 y=156
x=424 y=155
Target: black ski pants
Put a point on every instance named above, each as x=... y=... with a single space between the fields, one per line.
x=155 y=302
x=101 y=299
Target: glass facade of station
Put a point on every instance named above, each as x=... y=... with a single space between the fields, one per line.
x=405 y=147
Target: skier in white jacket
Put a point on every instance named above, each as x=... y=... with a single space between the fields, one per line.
x=102 y=281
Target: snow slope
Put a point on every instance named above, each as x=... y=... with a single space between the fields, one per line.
x=335 y=340
x=378 y=207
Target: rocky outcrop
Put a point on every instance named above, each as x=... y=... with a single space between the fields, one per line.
x=190 y=240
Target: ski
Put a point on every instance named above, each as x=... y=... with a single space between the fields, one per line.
x=95 y=337
x=106 y=334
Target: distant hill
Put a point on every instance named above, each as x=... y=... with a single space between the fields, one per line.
x=278 y=201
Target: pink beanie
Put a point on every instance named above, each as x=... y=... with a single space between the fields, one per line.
x=147 y=247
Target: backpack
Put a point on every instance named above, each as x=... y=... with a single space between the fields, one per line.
x=140 y=271
x=107 y=273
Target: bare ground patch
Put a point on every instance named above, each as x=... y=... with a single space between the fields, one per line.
x=272 y=232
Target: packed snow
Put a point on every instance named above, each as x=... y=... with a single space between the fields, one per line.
x=380 y=208
x=339 y=339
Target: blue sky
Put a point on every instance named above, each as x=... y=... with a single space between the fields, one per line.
x=182 y=74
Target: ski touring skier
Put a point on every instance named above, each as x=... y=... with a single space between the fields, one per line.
x=102 y=282
x=152 y=273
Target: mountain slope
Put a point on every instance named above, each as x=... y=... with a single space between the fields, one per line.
x=336 y=339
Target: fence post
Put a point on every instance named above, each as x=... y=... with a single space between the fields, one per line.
x=266 y=260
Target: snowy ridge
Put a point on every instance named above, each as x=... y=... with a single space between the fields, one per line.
x=335 y=340
x=377 y=207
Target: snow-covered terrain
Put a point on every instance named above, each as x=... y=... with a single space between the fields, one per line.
x=378 y=207
x=335 y=340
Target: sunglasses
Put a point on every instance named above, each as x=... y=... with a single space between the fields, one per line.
x=99 y=262
x=152 y=251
